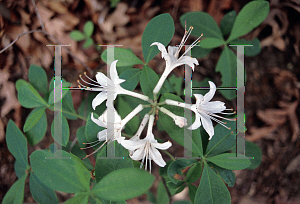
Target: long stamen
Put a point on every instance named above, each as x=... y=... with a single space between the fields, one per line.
x=94 y=151
x=89 y=78
x=184 y=39
x=218 y=116
x=90 y=142
x=192 y=45
x=81 y=84
x=90 y=146
x=88 y=82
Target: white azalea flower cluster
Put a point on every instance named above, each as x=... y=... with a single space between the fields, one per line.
x=146 y=149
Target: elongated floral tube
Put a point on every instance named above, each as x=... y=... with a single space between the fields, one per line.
x=132 y=114
x=179 y=121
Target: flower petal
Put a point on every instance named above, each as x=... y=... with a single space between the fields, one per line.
x=97 y=121
x=138 y=154
x=162 y=146
x=156 y=157
x=208 y=96
x=114 y=74
x=102 y=96
x=103 y=80
x=207 y=125
x=102 y=135
x=133 y=145
x=214 y=106
x=163 y=50
x=196 y=123
x=187 y=60
x=172 y=50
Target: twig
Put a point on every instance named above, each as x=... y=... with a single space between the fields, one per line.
x=38 y=15
x=13 y=42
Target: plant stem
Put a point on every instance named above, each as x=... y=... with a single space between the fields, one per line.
x=170 y=155
x=70 y=113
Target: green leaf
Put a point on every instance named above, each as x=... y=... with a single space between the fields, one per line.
x=162 y=195
x=194 y=173
x=227 y=175
x=175 y=132
x=92 y=129
x=38 y=131
x=227 y=22
x=227 y=66
x=82 y=198
x=192 y=192
x=20 y=83
x=123 y=184
x=223 y=139
x=248 y=50
x=148 y=81
x=105 y=166
x=225 y=162
x=67 y=174
x=200 y=52
x=88 y=28
x=16 y=143
x=38 y=78
x=176 y=83
x=132 y=77
x=182 y=202
x=202 y=23
x=33 y=118
x=160 y=29
x=15 y=194
x=64 y=128
x=209 y=43
x=77 y=35
x=248 y=19
x=211 y=189
x=252 y=150
x=67 y=105
x=58 y=88
x=30 y=98
x=178 y=165
x=151 y=197
x=125 y=57
x=20 y=169
x=124 y=107
x=80 y=134
x=40 y=192
x=88 y=43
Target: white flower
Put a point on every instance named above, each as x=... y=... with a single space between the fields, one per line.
x=205 y=110
x=114 y=134
x=179 y=121
x=109 y=86
x=146 y=148
x=171 y=57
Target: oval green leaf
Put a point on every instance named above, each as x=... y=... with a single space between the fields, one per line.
x=252 y=150
x=38 y=78
x=194 y=173
x=211 y=189
x=16 y=143
x=227 y=22
x=61 y=172
x=232 y=163
x=15 y=194
x=209 y=43
x=58 y=88
x=88 y=43
x=65 y=131
x=202 y=23
x=123 y=184
x=223 y=139
x=125 y=57
x=40 y=192
x=248 y=50
x=33 y=118
x=82 y=198
x=132 y=77
x=30 y=98
x=248 y=19
x=35 y=134
x=88 y=28
x=160 y=29
x=77 y=35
